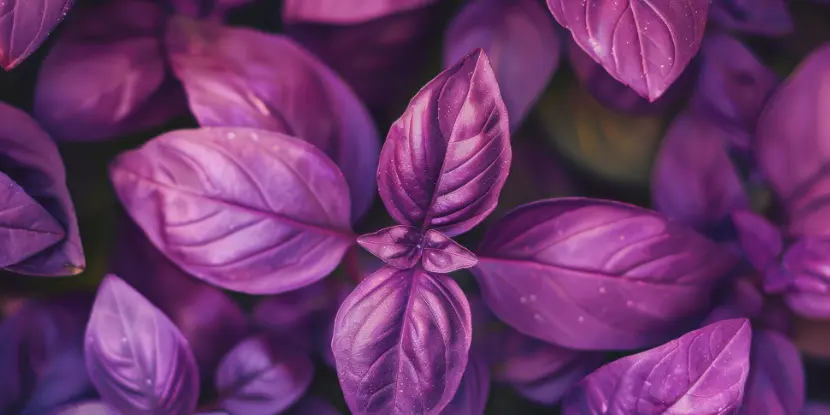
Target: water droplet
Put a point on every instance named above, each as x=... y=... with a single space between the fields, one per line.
x=602 y=290
x=580 y=319
x=604 y=408
x=231 y=136
x=523 y=300
x=629 y=303
x=255 y=136
x=148 y=381
x=123 y=340
x=532 y=297
x=537 y=317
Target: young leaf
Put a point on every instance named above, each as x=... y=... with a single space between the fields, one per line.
x=776 y=377
x=472 y=394
x=805 y=265
x=344 y=12
x=245 y=78
x=137 y=359
x=702 y=372
x=31 y=159
x=87 y=408
x=693 y=179
x=621 y=276
x=758 y=17
x=402 y=246
x=26 y=228
x=643 y=44
x=509 y=31
x=106 y=74
x=445 y=160
x=24 y=26
x=401 y=341
x=257 y=377
x=244 y=209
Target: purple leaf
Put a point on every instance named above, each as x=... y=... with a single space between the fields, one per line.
x=310 y=405
x=815 y=408
x=702 y=372
x=258 y=377
x=87 y=408
x=549 y=390
x=759 y=17
x=804 y=265
x=402 y=246
x=620 y=276
x=645 y=45
x=25 y=25
x=345 y=11
x=760 y=240
x=401 y=341
x=693 y=179
x=245 y=78
x=776 y=377
x=31 y=159
x=211 y=321
x=509 y=31
x=732 y=86
x=471 y=397
x=137 y=359
x=791 y=147
x=444 y=170
x=26 y=228
x=244 y=209
x=106 y=74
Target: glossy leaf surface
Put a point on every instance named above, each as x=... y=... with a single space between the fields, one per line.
x=446 y=159
x=402 y=246
x=643 y=44
x=384 y=361
x=508 y=31
x=245 y=209
x=702 y=372
x=137 y=359
x=620 y=276
x=245 y=78
x=25 y=25
x=258 y=377
x=345 y=11
x=776 y=377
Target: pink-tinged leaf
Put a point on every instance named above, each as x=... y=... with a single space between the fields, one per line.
x=702 y=372
x=509 y=31
x=804 y=266
x=814 y=408
x=758 y=17
x=442 y=255
x=258 y=377
x=86 y=408
x=791 y=145
x=401 y=342
x=446 y=159
x=310 y=405
x=760 y=240
x=136 y=357
x=693 y=179
x=343 y=12
x=471 y=397
x=245 y=78
x=776 y=377
x=402 y=246
x=732 y=87
x=549 y=390
x=208 y=318
x=106 y=74
x=26 y=228
x=643 y=44
x=24 y=26
x=31 y=159
x=620 y=276
x=244 y=209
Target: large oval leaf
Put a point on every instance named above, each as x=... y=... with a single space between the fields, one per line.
x=30 y=157
x=137 y=359
x=509 y=31
x=401 y=340
x=245 y=78
x=643 y=44
x=24 y=26
x=106 y=74
x=776 y=377
x=258 y=377
x=247 y=210
x=702 y=372
x=446 y=159
x=597 y=275
x=345 y=11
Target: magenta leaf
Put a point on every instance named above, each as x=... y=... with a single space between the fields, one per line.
x=776 y=377
x=106 y=74
x=760 y=240
x=643 y=44
x=26 y=228
x=804 y=265
x=446 y=159
x=86 y=408
x=471 y=397
x=343 y=12
x=509 y=31
x=621 y=276
x=694 y=180
x=402 y=246
x=31 y=159
x=401 y=340
x=25 y=25
x=244 y=209
x=245 y=78
x=259 y=377
x=137 y=359
x=760 y=17
x=702 y=372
